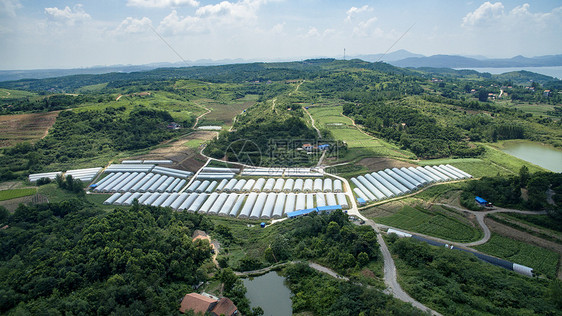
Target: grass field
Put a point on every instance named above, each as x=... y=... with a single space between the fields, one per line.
x=6 y=93
x=431 y=223
x=360 y=144
x=224 y=112
x=16 y=193
x=543 y=261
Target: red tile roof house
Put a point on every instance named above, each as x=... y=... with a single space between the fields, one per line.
x=201 y=304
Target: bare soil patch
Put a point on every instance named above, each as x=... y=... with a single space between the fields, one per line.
x=184 y=157
x=376 y=164
x=25 y=127
x=12 y=204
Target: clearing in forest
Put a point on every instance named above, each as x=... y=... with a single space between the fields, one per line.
x=25 y=127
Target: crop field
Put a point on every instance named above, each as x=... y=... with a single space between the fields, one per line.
x=362 y=144
x=6 y=93
x=16 y=193
x=222 y=113
x=25 y=127
x=542 y=260
x=436 y=224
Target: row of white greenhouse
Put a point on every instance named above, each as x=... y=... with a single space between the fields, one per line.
x=280 y=172
x=85 y=175
x=253 y=205
x=139 y=182
x=394 y=182
x=266 y=185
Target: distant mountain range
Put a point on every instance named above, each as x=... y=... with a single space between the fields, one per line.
x=399 y=58
x=454 y=61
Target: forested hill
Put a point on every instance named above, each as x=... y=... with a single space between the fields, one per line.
x=306 y=69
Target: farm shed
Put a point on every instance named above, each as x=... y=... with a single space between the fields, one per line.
x=129 y=201
x=308 y=185
x=278 y=187
x=451 y=171
x=216 y=208
x=268 y=186
x=136 y=187
x=247 y=209
x=429 y=174
x=393 y=181
x=259 y=185
x=290 y=202
x=208 y=203
x=409 y=185
x=178 y=202
x=220 y=170
x=363 y=189
x=269 y=205
x=447 y=173
x=230 y=185
x=160 y=199
x=249 y=185
x=154 y=187
x=153 y=197
x=211 y=187
x=162 y=187
x=214 y=176
x=129 y=168
x=406 y=176
x=221 y=185
x=331 y=199
x=360 y=194
x=84 y=175
x=112 y=199
x=196 y=205
x=383 y=191
x=279 y=205
x=387 y=184
x=228 y=204
x=342 y=200
x=301 y=202
x=203 y=186
x=237 y=205
x=421 y=174
x=371 y=187
x=187 y=203
x=239 y=185
x=459 y=170
x=299 y=213
x=193 y=186
x=258 y=207
x=320 y=199
x=288 y=186
x=172 y=172
x=143 y=197
x=328 y=185
x=298 y=187
x=318 y=185
x=338 y=186
x=124 y=182
x=158 y=162
x=171 y=198
x=309 y=200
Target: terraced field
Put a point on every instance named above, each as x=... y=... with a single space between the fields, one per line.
x=25 y=127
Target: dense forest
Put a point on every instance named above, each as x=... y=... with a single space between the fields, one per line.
x=69 y=258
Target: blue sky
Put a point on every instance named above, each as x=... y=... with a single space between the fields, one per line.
x=68 y=33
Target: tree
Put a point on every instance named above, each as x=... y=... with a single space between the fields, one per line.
x=482 y=95
x=523 y=176
x=362 y=259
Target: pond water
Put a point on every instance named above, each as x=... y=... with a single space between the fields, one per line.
x=537 y=154
x=270 y=293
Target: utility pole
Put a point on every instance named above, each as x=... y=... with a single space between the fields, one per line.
x=344 y=54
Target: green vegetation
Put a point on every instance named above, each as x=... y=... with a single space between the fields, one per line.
x=542 y=221
x=16 y=193
x=543 y=261
x=456 y=283
x=436 y=222
x=66 y=258
x=319 y=294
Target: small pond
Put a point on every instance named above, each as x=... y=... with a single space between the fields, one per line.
x=540 y=155
x=270 y=293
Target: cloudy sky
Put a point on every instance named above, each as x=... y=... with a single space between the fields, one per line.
x=83 y=33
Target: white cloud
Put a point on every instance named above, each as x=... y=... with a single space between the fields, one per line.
x=365 y=28
x=354 y=11
x=210 y=17
x=518 y=19
x=67 y=15
x=485 y=13
x=9 y=7
x=162 y=3
x=132 y=25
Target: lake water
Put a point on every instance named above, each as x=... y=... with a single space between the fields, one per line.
x=270 y=293
x=553 y=71
x=537 y=154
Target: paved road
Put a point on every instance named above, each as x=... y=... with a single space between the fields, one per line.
x=480 y=215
